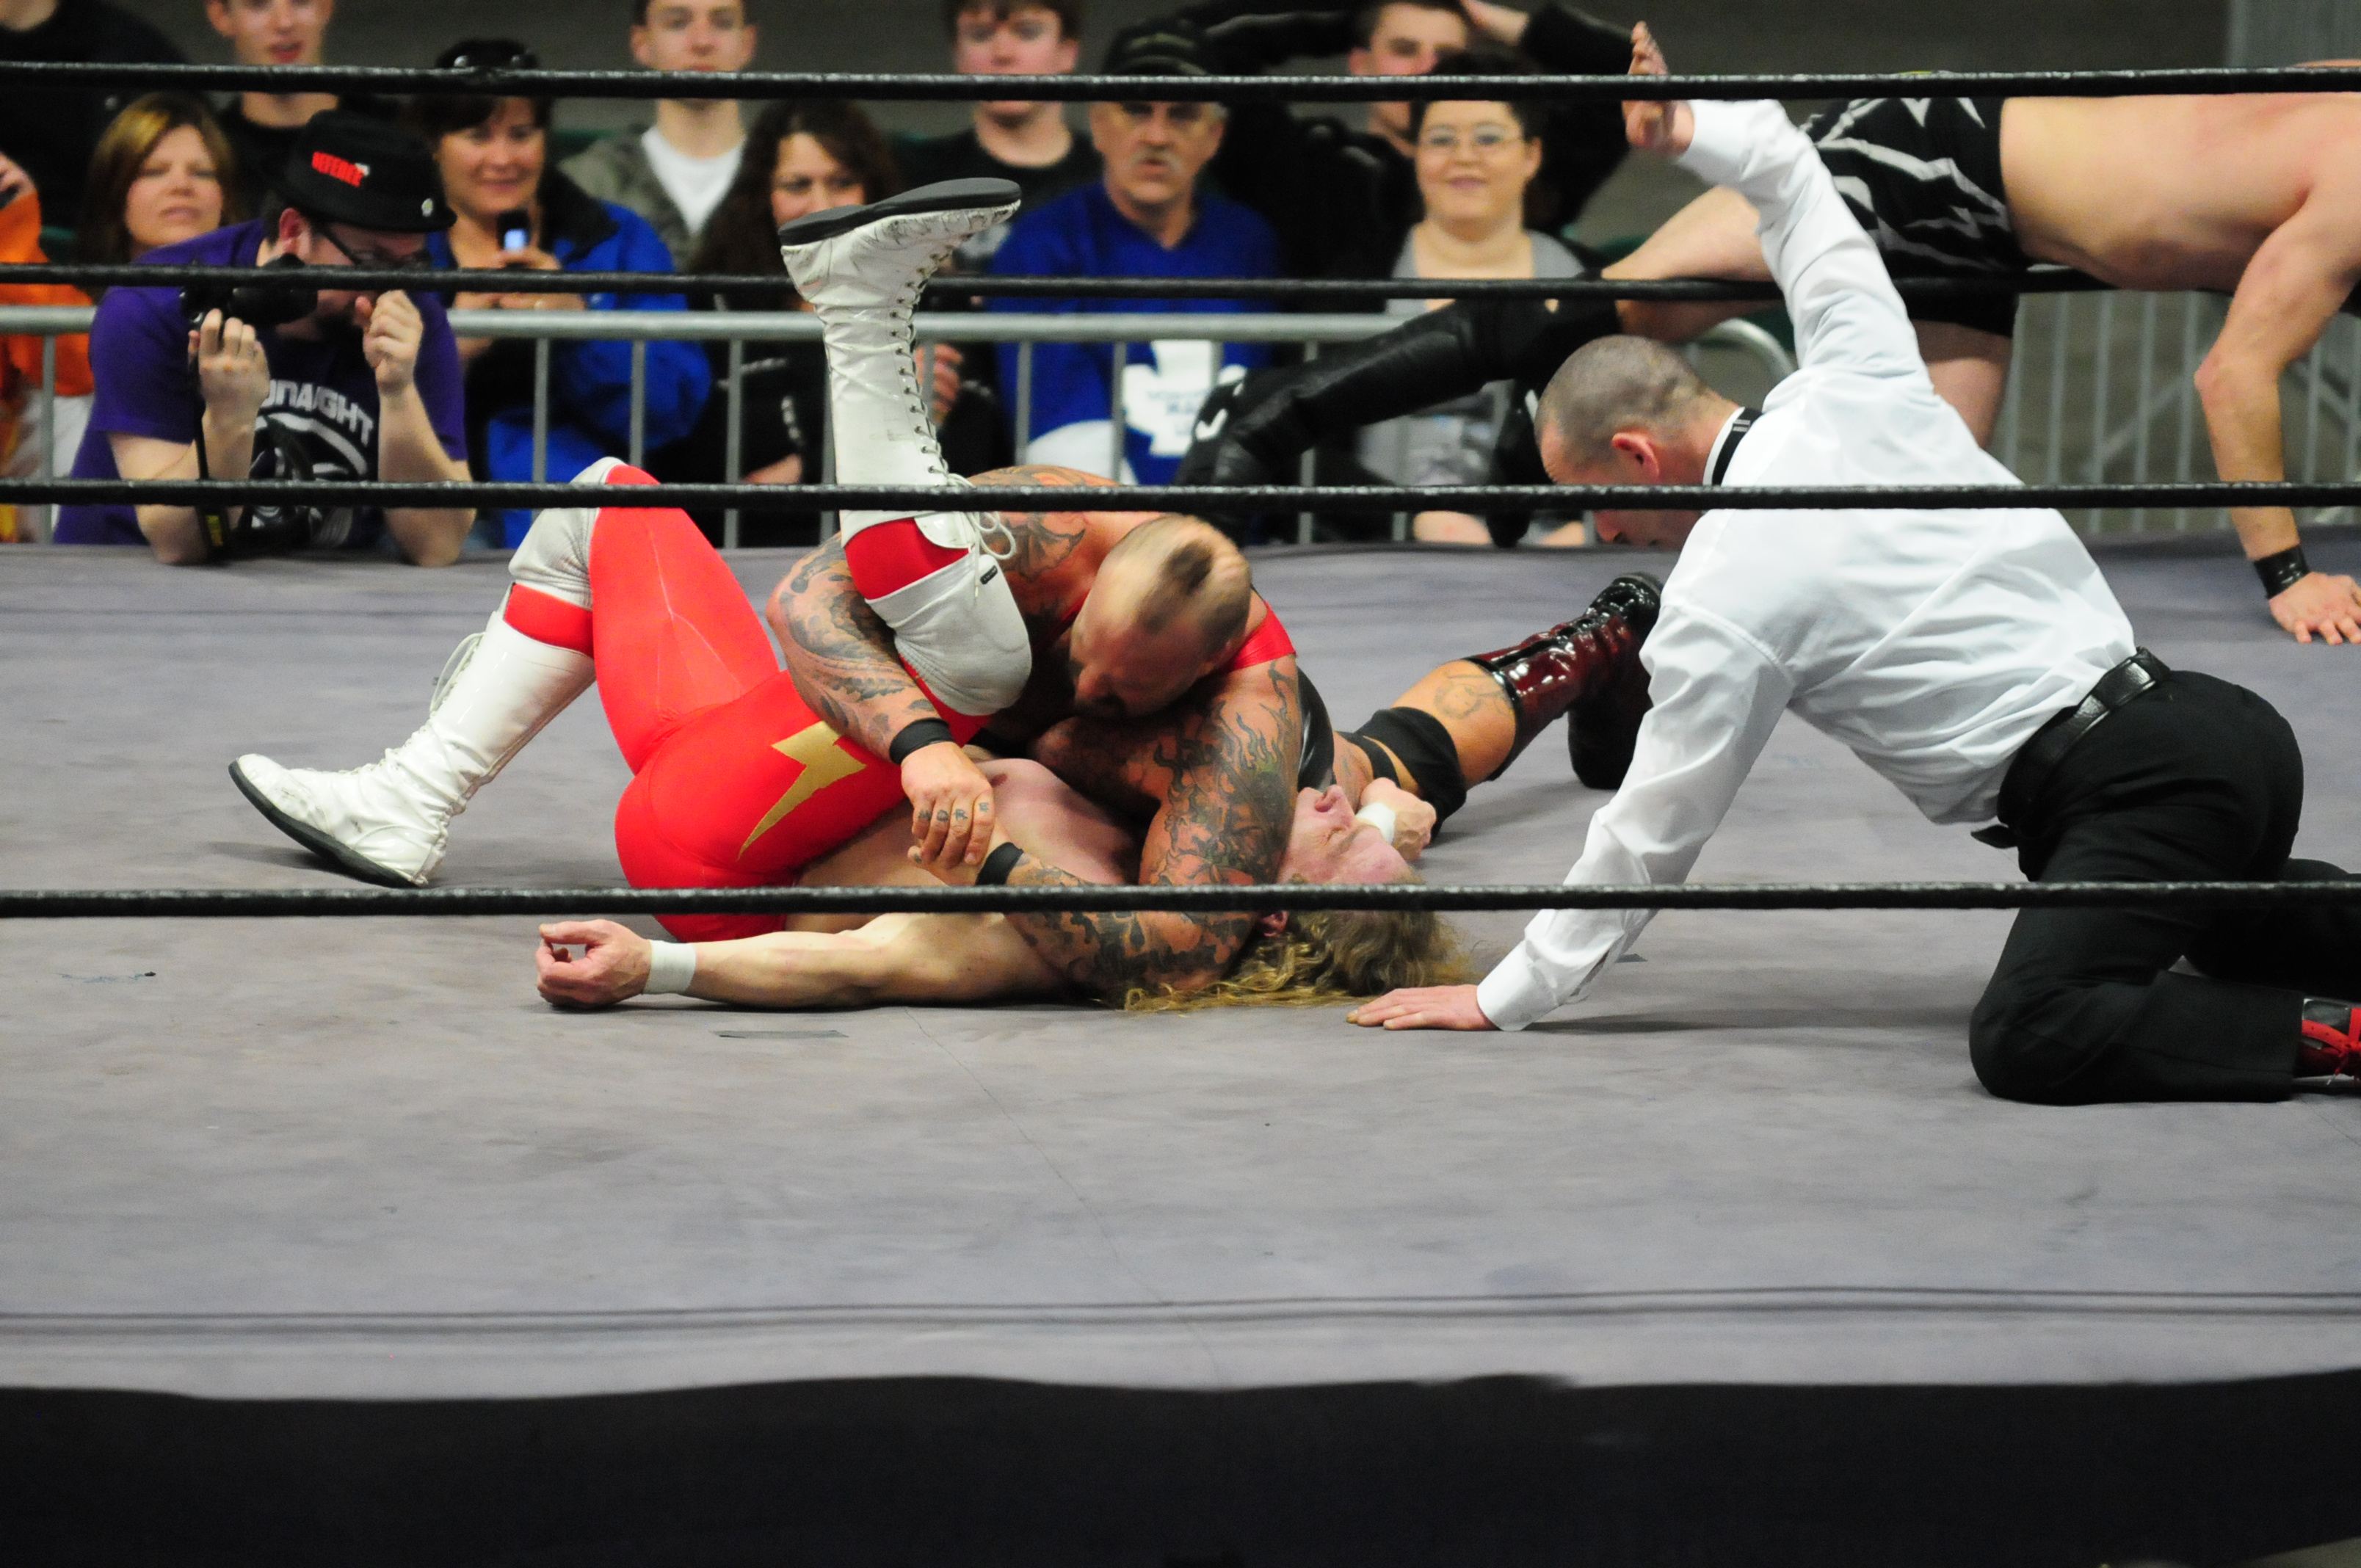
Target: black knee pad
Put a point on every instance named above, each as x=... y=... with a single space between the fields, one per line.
x=1316 y=764
x=1425 y=748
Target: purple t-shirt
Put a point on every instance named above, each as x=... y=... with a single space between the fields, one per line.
x=321 y=408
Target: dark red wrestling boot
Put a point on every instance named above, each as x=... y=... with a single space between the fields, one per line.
x=1589 y=668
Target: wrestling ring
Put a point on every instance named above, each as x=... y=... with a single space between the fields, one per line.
x=325 y=1238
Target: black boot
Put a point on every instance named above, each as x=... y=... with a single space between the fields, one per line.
x=1256 y=430
x=1586 y=667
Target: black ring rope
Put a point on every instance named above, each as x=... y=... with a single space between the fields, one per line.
x=1184 y=498
x=84 y=904
x=2040 y=280
x=907 y=87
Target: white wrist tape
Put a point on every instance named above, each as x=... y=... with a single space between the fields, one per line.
x=671 y=967
x=1380 y=817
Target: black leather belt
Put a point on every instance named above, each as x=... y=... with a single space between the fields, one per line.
x=2039 y=757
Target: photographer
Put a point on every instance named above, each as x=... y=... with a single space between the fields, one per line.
x=348 y=385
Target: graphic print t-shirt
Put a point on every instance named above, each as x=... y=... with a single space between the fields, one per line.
x=1081 y=235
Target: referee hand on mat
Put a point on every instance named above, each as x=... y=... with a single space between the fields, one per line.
x=1422 y=1007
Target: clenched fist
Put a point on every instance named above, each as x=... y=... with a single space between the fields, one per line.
x=391 y=329
x=611 y=967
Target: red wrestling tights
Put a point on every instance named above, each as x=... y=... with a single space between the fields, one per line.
x=736 y=783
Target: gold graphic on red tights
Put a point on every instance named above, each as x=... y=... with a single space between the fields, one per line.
x=824 y=763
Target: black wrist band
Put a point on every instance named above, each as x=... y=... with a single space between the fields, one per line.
x=997 y=865
x=2283 y=571
x=918 y=733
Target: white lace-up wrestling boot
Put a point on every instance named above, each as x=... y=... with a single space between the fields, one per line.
x=861 y=270
x=389 y=822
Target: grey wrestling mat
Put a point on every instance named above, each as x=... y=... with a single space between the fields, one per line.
x=334 y=1161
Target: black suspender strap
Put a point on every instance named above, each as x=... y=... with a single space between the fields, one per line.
x=1739 y=423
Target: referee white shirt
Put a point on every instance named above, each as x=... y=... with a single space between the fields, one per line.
x=1932 y=642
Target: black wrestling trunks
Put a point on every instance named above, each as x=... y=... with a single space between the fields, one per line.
x=1923 y=176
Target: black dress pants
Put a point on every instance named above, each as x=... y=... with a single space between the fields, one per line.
x=2195 y=780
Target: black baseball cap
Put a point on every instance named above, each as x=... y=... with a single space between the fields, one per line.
x=1168 y=47
x=349 y=168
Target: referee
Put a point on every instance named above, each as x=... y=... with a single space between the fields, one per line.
x=1976 y=658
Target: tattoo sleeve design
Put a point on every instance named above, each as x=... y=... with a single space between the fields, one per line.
x=1226 y=774
x=841 y=654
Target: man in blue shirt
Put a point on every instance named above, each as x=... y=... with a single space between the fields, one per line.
x=1144 y=218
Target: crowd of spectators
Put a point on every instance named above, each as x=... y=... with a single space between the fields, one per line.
x=374 y=384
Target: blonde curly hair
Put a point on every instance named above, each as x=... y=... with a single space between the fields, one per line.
x=1325 y=956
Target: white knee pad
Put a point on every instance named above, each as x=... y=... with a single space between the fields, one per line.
x=554 y=555
x=960 y=631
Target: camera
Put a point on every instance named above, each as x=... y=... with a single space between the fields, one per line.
x=259 y=304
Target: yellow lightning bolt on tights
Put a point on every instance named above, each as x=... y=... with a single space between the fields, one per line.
x=824 y=763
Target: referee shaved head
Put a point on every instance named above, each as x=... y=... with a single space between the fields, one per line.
x=1615 y=384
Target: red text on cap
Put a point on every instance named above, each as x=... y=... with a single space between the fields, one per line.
x=336 y=168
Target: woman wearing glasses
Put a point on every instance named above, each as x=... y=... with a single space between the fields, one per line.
x=514 y=210
x=1476 y=161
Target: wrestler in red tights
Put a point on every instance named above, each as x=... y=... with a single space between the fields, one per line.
x=735 y=780
x=736 y=783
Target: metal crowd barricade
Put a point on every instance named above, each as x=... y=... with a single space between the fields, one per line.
x=1765 y=360
x=2103 y=388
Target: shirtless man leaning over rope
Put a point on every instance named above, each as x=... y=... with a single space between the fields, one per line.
x=2249 y=194
x=2253 y=194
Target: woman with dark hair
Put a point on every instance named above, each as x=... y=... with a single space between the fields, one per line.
x=162 y=172
x=514 y=210
x=801 y=157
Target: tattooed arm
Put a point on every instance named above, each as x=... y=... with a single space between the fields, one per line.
x=842 y=660
x=1225 y=772
x=841 y=654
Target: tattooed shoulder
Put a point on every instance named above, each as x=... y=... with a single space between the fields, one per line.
x=1045 y=539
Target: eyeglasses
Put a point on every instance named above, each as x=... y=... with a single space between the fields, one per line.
x=487 y=54
x=1484 y=139
x=370 y=255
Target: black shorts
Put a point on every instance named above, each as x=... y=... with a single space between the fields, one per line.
x=1923 y=176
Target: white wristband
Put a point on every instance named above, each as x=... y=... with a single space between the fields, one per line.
x=672 y=966
x=1380 y=817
